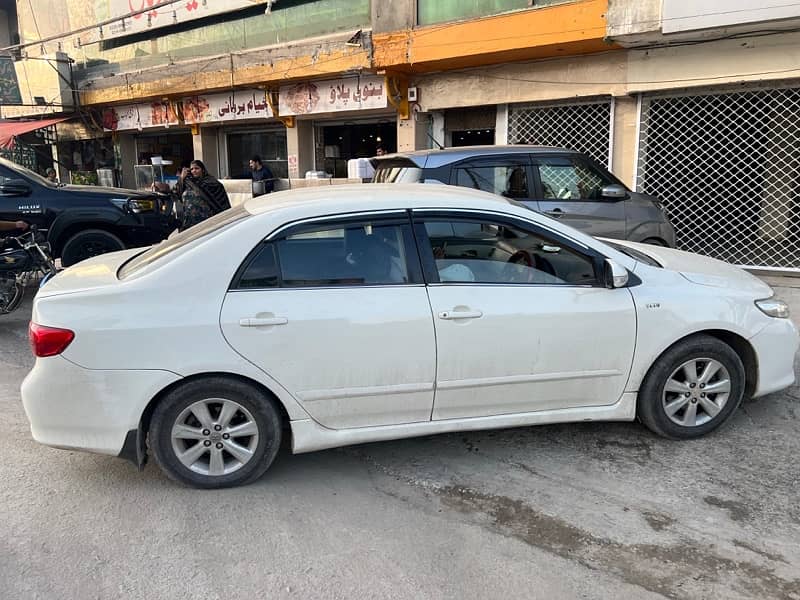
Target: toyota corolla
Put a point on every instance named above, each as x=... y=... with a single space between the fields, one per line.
x=340 y=315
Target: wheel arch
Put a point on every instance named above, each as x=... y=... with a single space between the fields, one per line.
x=740 y=346
x=58 y=237
x=137 y=453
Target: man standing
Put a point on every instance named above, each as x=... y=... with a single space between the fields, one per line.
x=260 y=172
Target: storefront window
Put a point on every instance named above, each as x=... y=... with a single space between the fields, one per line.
x=270 y=145
x=442 y=11
x=354 y=140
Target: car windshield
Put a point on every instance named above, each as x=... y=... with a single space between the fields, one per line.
x=28 y=174
x=634 y=254
x=204 y=230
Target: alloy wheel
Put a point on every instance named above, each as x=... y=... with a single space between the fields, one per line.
x=696 y=392
x=215 y=437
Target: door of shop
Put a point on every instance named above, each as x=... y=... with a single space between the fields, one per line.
x=725 y=164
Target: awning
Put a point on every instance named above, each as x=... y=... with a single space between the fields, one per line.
x=10 y=129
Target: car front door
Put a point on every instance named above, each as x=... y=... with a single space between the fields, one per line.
x=571 y=191
x=337 y=313
x=522 y=321
x=506 y=175
x=20 y=205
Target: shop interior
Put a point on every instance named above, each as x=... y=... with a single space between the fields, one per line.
x=340 y=143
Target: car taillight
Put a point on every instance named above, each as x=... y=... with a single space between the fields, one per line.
x=48 y=341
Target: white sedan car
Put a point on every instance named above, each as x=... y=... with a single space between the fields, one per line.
x=342 y=315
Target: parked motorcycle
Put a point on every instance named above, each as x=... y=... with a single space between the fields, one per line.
x=22 y=259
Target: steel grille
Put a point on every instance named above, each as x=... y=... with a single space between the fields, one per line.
x=584 y=127
x=727 y=167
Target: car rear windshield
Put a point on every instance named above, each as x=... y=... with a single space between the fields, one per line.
x=202 y=231
x=397 y=171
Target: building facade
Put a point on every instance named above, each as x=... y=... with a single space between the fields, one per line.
x=694 y=102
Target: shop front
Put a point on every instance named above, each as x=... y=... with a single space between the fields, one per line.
x=351 y=118
x=242 y=125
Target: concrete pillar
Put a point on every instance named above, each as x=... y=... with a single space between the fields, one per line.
x=412 y=134
x=438 y=130
x=300 y=148
x=125 y=149
x=625 y=119
x=501 y=125
x=204 y=147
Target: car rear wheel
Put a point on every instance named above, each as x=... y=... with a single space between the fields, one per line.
x=692 y=389
x=88 y=243
x=214 y=433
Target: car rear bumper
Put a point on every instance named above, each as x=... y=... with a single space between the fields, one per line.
x=83 y=409
x=775 y=346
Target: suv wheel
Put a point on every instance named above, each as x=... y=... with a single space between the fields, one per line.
x=88 y=243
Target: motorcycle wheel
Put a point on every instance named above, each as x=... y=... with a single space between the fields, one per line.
x=11 y=293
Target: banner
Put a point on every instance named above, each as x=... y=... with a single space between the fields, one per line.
x=312 y=97
x=139 y=116
x=9 y=85
x=242 y=104
x=158 y=13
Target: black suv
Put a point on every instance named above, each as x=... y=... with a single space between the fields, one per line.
x=81 y=221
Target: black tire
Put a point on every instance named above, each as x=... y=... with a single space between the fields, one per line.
x=88 y=243
x=262 y=413
x=652 y=401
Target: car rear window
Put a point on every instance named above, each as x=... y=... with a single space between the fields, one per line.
x=396 y=170
x=168 y=248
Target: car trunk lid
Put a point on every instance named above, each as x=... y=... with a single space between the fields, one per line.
x=99 y=271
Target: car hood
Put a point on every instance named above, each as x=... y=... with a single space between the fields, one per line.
x=703 y=270
x=104 y=192
x=89 y=274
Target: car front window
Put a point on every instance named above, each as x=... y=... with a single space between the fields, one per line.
x=471 y=251
x=15 y=171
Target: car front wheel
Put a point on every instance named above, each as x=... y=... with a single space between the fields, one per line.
x=215 y=432
x=692 y=389
x=88 y=243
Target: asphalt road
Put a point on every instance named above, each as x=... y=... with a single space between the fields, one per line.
x=577 y=511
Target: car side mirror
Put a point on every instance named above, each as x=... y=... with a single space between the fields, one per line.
x=14 y=187
x=614 y=192
x=614 y=275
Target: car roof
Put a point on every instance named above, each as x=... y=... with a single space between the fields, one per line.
x=436 y=158
x=359 y=196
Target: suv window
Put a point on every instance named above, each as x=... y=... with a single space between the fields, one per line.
x=570 y=179
x=510 y=181
x=356 y=253
x=484 y=251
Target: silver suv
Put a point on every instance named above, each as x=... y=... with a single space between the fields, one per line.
x=562 y=184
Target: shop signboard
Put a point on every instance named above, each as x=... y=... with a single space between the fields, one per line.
x=335 y=95
x=242 y=104
x=9 y=85
x=139 y=116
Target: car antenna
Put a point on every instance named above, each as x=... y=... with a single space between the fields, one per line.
x=433 y=139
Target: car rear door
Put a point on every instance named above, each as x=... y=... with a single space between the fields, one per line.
x=506 y=175
x=522 y=321
x=570 y=190
x=336 y=312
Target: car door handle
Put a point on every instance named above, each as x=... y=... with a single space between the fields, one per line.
x=556 y=213
x=452 y=315
x=257 y=322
